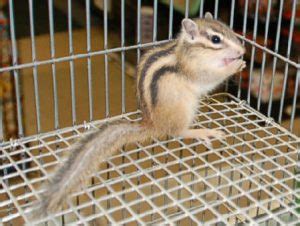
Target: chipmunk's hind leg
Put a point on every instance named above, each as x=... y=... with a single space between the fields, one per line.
x=203 y=134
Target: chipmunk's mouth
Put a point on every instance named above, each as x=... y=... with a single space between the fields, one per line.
x=227 y=61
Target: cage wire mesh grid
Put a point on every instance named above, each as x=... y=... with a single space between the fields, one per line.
x=249 y=177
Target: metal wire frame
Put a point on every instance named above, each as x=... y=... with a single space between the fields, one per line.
x=52 y=50
x=16 y=67
x=249 y=177
x=126 y=48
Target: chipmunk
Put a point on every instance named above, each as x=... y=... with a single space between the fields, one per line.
x=170 y=81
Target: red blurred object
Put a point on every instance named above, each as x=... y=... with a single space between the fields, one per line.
x=262 y=8
x=287 y=13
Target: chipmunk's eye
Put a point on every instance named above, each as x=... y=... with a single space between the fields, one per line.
x=215 y=39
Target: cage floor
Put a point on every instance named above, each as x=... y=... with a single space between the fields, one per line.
x=250 y=177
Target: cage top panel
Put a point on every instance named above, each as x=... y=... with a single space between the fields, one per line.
x=249 y=177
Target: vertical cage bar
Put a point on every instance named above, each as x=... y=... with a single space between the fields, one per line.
x=107 y=106
x=138 y=30
x=138 y=60
x=154 y=21
x=275 y=58
x=295 y=100
x=231 y=26
x=1 y=128
x=264 y=55
x=187 y=4
x=201 y=8
x=216 y=9
x=89 y=61
x=291 y=31
x=35 y=75
x=123 y=55
x=232 y=13
x=16 y=73
x=52 y=49
x=171 y=20
x=253 y=50
x=243 y=42
x=71 y=53
x=16 y=80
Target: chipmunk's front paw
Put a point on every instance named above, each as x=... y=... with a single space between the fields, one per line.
x=238 y=65
x=243 y=65
x=235 y=67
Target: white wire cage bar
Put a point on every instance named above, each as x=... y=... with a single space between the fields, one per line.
x=250 y=177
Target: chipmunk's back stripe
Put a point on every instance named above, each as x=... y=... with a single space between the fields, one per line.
x=151 y=59
x=156 y=76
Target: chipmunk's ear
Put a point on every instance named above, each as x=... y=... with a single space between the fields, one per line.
x=208 y=15
x=190 y=28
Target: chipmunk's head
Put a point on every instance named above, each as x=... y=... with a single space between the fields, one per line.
x=209 y=42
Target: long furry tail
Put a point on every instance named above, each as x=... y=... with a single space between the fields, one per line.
x=86 y=156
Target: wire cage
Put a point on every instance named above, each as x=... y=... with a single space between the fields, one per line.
x=251 y=177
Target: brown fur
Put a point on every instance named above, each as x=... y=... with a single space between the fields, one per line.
x=197 y=74
x=168 y=99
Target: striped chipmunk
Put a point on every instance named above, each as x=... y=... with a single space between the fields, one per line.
x=170 y=81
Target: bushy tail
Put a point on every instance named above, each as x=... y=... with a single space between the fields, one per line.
x=84 y=159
